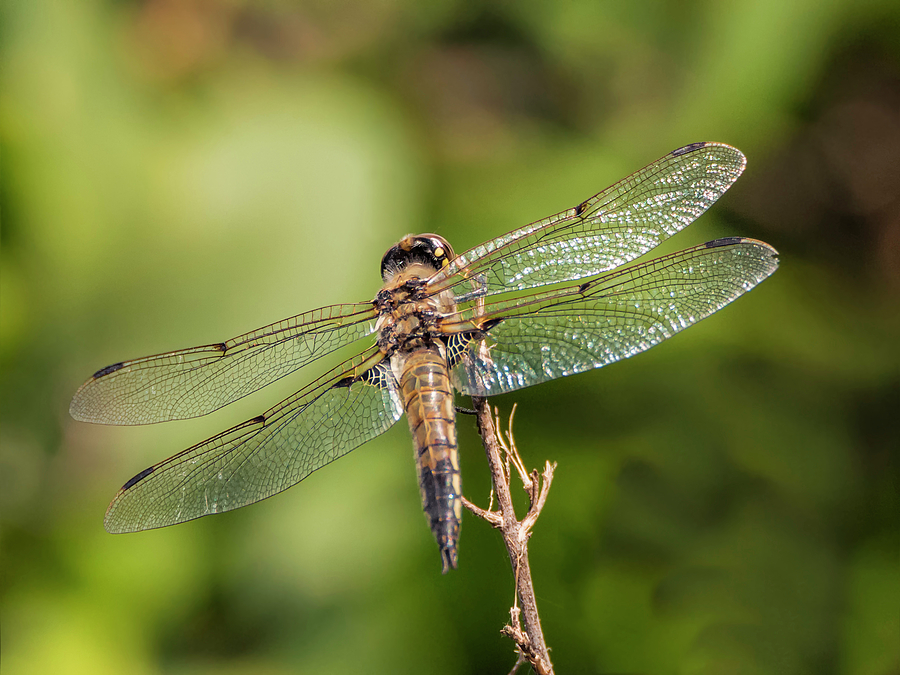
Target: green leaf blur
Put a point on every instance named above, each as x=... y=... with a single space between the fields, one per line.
x=176 y=172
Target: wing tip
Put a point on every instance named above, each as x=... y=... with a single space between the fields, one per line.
x=113 y=525
x=736 y=241
x=75 y=411
x=767 y=255
x=123 y=525
x=109 y=522
x=80 y=406
x=112 y=528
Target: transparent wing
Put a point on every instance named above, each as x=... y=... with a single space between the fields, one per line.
x=611 y=317
x=608 y=230
x=197 y=381
x=352 y=404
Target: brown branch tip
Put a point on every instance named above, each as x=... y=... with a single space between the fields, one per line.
x=503 y=455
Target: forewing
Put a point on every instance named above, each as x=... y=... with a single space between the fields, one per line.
x=608 y=230
x=197 y=381
x=327 y=419
x=605 y=319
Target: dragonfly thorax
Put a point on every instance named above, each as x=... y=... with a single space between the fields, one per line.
x=408 y=317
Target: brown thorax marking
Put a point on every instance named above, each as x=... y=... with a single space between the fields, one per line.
x=408 y=320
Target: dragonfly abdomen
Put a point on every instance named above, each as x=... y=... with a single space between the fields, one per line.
x=428 y=401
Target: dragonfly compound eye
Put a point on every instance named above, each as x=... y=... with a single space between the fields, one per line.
x=426 y=249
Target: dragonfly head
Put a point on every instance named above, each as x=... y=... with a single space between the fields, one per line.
x=426 y=249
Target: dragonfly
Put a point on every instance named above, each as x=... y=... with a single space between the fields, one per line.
x=560 y=296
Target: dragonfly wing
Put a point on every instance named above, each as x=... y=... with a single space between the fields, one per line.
x=352 y=404
x=610 y=317
x=608 y=230
x=194 y=382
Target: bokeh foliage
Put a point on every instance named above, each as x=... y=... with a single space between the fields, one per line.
x=179 y=171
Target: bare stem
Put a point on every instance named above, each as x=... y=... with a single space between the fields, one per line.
x=529 y=638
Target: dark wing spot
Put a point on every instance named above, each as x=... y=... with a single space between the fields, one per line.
x=725 y=241
x=581 y=207
x=490 y=323
x=259 y=419
x=106 y=371
x=346 y=382
x=141 y=476
x=220 y=346
x=688 y=148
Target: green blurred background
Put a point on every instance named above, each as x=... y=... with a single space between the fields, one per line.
x=176 y=172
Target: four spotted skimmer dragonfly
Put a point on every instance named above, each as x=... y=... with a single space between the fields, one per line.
x=548 y=300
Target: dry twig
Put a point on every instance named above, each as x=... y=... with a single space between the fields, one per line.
x=529 y=638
